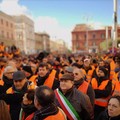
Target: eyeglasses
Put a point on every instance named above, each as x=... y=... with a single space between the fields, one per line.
x=67 y=71
x=75 y=73
x=9 y=72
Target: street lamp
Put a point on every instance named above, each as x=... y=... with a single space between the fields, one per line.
x=114 y=26
x=87 y=18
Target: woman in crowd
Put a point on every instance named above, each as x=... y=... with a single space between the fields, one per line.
x=4 y=112
x=113 y=109
x=27 y=106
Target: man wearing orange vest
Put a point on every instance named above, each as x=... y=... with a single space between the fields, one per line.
x=103 y=89
x=46 y=77
x=116 y=76
x=88 y=69
x=46 y=109
x=82 y=85
x=14 y=94
x=7 y=78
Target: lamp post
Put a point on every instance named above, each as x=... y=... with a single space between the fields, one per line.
x=87 y=18
x=114 y=26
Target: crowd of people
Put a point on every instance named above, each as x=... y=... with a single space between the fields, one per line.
x=60 y=87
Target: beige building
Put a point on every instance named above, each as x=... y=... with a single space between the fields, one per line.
x=24 y=33
x=58 y=46
x=7 y=31
x=42 y=42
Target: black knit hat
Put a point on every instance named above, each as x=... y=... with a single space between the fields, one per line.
x=28 y=69
x=104 y=70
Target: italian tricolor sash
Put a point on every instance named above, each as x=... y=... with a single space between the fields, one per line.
x=66 y=106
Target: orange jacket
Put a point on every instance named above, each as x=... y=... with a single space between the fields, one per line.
x=83 y=87
x=100 y=101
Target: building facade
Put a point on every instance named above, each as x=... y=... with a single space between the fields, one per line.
x=7 y=29
x=24 y=33
x=86 y=38
x=58 y=46
x=42 y=42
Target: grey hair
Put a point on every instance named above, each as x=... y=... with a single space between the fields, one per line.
x=8 y=68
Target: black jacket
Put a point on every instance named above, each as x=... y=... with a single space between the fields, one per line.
x=14 y=101
x=104 y=116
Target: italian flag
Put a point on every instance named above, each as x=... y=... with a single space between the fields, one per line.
x=66 y=106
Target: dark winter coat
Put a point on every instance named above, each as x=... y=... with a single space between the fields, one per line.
x=104 y=116
x=80 y=102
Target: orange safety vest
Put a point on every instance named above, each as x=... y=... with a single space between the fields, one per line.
x=89 y=74
x=58 y=116
x=33 y=79
x=83 y=87
x=1 y=82
x=117 y=88
x=2 y=47
x=117 y=84
x=10 y=56
x=30 y=117
x=1 y=72
x=50 y=80
x=100 y=101
x=30 y=86
x=112 y=68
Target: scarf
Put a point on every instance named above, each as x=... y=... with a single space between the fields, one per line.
x=41 y=80
x=28 y=109
x=23 y=90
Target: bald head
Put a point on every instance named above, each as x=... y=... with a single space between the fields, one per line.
x=44 y=95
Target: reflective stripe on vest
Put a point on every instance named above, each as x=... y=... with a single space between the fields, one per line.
x=83 y=87
x=101 y=102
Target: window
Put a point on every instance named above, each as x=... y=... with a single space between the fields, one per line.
x=7 y=23
x=77 y=37
x=2 y=33
x=11 y=25
x=103 y=36
x=85 y=36
x=12 y=36
x=94 y=36
x=2 y=21
x=7 y=34
x=94 y=44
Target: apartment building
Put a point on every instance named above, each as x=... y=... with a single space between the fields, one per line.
x=24 y=33
x=7 y=29
x=42 y=42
